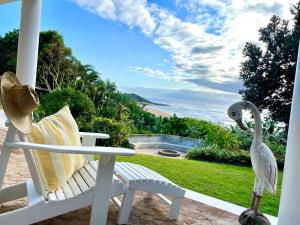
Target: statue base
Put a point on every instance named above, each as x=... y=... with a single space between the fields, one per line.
x=250 y=217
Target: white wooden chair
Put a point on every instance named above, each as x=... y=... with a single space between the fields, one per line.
x=140 y=178
x=92 y=185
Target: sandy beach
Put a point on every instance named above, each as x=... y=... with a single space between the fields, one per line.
x=157 y=112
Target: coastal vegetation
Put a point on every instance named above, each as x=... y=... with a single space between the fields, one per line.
x=98 y=106
x=274 y=136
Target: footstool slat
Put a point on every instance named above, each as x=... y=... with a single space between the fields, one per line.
x=140 y=178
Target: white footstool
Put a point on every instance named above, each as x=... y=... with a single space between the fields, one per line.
x=140 y=178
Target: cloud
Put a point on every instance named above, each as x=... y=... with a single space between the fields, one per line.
x=261 y=7
x=205 y=42
x=205 y=49
x=152 y=72
x=233 y=87
x=201 y=85
x=134 y=13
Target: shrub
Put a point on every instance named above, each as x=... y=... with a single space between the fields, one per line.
x=273 y=135
x=245 y=137
x=213 y=154
x=222 y=137
x=118 y=131
x=213 y=134
x=81 y=106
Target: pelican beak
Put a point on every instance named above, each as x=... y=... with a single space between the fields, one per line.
x=241 y=125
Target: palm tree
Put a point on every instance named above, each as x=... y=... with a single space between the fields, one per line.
x=88 y=77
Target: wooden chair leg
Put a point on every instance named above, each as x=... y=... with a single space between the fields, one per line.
x=175 y=208
x=126 y=207
x=102 y=190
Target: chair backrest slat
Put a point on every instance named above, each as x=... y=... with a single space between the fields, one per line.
x=88 y=141
x=5 y=154
x=14 y=135
x=35 y=175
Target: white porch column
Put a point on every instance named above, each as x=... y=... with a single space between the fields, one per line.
x=289 y=210
x=29 y=41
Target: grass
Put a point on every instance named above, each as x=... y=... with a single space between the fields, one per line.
x=230 y=183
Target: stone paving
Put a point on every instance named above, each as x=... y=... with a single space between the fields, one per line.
x=145 y=212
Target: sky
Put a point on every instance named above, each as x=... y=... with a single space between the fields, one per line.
x=178 y=51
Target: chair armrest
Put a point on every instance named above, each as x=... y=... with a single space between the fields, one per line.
x=94 y=135
x=72 y=149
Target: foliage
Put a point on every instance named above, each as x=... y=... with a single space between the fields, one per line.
x=211 y=133
x=8 y=49
x=273 y=136
x=98 y=106
x=268 y=72
x=145 y=122
x=88 y=80
x=118 y=131
x=138 y=98
x=245 y=137
x=64 y=76
x=213 y=154
x=57 y=67
x=81 y=106
x=222 y=181
x=221 y=137
x=142 y=100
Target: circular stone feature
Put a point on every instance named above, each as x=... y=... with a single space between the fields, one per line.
x=170 y=153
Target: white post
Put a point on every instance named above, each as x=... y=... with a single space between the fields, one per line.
x=289 y=210
x=29 y=41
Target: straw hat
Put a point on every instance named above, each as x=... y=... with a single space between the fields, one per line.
x=18 y=102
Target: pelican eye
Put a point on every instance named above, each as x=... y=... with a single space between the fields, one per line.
x=233 y=113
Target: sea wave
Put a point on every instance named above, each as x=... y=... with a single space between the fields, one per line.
x=212 y=115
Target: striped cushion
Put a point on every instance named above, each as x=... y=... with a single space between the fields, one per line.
x=58 y=129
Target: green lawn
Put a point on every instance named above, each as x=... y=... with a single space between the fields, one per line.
x=230 y=183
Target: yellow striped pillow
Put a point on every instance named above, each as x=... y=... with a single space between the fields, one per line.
x=58 y=129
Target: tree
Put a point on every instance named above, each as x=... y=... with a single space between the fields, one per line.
x=81 y=106
x=88 y=80
x=57 y=67
x=8 y=49
x=268 y=71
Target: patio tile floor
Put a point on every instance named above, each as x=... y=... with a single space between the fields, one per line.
x=145 y=212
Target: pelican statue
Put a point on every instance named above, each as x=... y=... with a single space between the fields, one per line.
x=263 y=162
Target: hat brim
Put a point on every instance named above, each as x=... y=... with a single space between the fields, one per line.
x=19 y=120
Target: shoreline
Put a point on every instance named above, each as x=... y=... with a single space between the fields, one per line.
x=156 y=112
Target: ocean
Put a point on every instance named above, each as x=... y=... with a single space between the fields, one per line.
x=200 y=104
x=213 y=113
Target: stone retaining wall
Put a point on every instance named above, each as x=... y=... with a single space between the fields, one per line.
x=163 y=141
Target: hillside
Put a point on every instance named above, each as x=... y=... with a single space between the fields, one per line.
x=142 y=100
